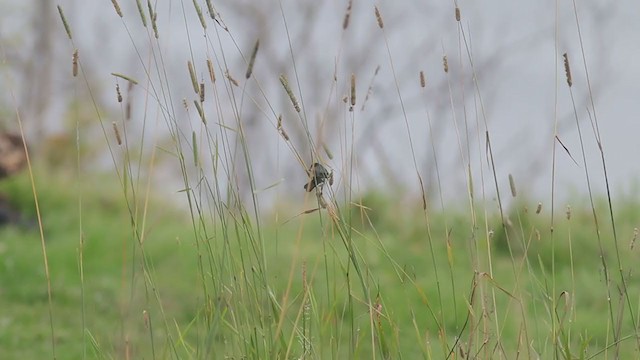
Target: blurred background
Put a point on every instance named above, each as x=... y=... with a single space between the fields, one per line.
x=519 y=90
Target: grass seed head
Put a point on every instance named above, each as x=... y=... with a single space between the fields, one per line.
x=192 y=75
x=117 y=7
x=143 y=17
x=512 y=185
x=200 y=16
x=200 y=111
x=347 y=16
x=74 y=61
x=285 y=83
x=118 y=93
x=353 y=91
x=379 y=18
x=212 y=73
x=281 y=130
x=116 y=132
x=67 y=29
x=154 y=17
x=231 y=78
x=567 y=69
x=252 y=60
x=212 y=13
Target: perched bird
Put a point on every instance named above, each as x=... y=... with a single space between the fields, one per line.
x=318 y=176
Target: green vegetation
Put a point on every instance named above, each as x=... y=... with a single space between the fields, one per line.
x=295 y=292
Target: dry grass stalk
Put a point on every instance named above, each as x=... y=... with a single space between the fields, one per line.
x=281 y=130
x=379 y=18
x=117 y=7
x=512 y=186
x=353 y=91
x=200 y=111
x=194 y=80
x=347 y=16
x=125 y=77
x=457 y=14
x=201 y=92
x=231 y=79
x=635 y=236
x=292 y=97
x=323 y=204
x=118 y=93
x=370 y=88
x=445 y=63
x=117 y=132
x=67 y=29
x=200 y=16
x=212 y=73
x=252 y=59
x=141 y=12
x=539 y=208
x=74 y=61
x=423 y=81
x=327 y=151
x=567 y=69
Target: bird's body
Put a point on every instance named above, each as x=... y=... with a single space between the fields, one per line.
x=318 y=176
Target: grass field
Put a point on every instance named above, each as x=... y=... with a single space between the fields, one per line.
x=116 y=268
x=292 y=290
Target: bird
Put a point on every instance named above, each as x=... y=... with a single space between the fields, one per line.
x=319 y=175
